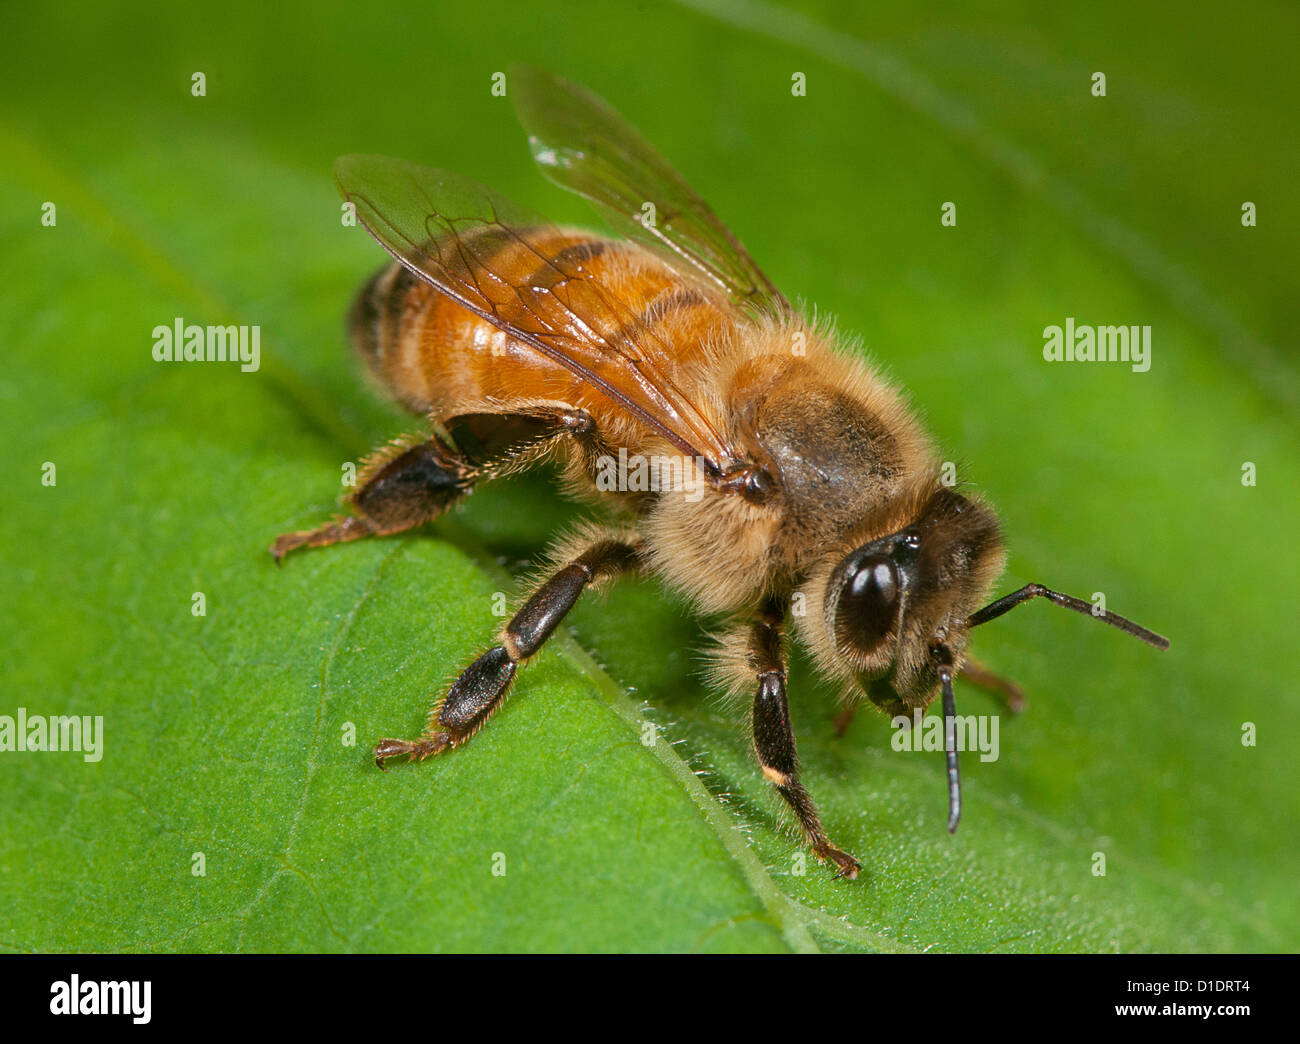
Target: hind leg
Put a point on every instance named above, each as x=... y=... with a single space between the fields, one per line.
x=404 y=488
x=396 y=493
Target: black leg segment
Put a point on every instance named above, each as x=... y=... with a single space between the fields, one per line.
x=413 y=487
x=477 y=694
x=774 y=738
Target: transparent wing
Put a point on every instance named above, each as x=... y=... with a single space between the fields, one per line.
x=584 y=146
x=514 y=271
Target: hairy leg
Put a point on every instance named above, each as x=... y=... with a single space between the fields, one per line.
x=404 y=488
x=397 y=493
x=774 y=739
x=480 y=690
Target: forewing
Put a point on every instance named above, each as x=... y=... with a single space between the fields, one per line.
x=453 y=233
x=584 y=146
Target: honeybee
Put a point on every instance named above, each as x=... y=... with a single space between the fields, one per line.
x=802 y=492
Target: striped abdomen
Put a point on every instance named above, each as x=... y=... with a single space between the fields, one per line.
x=437 y=357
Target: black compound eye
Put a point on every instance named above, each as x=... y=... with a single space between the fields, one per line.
x=867 y=608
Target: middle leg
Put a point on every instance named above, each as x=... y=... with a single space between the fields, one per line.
x=481 y=689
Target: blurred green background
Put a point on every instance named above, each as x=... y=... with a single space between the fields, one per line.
x=228 y=734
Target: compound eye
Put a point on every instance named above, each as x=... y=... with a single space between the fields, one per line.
x=867 y=608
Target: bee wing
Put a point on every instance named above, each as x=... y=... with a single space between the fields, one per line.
x=467 y=242
x=584 y=146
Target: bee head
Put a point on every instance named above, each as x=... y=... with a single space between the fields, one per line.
x=898 y=609
x=889 y=600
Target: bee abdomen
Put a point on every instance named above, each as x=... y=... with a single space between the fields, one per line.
x=363 y=322
x=433 y=354
x=375 y=327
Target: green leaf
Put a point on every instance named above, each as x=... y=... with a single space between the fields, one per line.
x=243 y=734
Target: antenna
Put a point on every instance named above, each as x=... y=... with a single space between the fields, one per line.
x=1004 y=605
x=942 y=656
